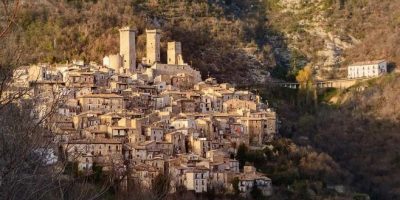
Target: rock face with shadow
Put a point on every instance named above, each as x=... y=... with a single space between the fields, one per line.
x=362 y=134
x=332 y=34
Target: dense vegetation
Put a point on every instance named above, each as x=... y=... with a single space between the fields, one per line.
x=220 y=37
x=365 y=129
x=298 y=172
x=329 y=34
x=217 y=38
x=358 y=127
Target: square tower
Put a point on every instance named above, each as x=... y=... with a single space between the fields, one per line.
x=152 y=46
x=127 y=48
x=174 y=53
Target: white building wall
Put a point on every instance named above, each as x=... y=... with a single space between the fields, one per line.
x=367 y=70
x=112 y=61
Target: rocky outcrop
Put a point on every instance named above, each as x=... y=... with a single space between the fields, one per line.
x=309 y=32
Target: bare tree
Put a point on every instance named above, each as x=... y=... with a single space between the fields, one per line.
x=161 y=186
x=9 y=13
x=29 y=164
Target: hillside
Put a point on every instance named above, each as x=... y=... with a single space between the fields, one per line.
x=366 y=131
x=221 y=37
x=360 y=132
x=329 y=34
x=241 y=41
x=218 y=38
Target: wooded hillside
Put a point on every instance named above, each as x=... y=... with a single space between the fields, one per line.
x=360 y=131
x=219 y=38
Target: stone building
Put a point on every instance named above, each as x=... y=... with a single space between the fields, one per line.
x=101 y=102
x=127 y=48
x=197 y=179
x=161 y=118
x=152 y=46
x=113 y=61
x=178 y=141
x=174 y=53
x=105 y=152
x=166 y=69
x=182 y=81
x=200 y=146
x=250 y=179
x=235 y=104
x=367 y=69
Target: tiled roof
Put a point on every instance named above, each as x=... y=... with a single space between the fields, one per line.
x=374 y=62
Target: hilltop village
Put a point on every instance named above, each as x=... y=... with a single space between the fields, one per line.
x=142 y=119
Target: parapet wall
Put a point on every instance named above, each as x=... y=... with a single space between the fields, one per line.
x=165 y=69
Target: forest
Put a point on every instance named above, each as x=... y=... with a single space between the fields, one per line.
x=358 y=127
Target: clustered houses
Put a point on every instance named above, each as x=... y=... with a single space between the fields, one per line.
x=153 y=118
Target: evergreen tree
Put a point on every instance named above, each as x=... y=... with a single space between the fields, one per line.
x=256 y=193
x=241 y=155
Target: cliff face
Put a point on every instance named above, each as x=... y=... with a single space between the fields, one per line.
x=306 y=27
x=364 y=132
x=360 y=133
x=332 y=33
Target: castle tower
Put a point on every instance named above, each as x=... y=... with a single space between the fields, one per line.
x=152 y=46
x=175 y=53
x=127 y=48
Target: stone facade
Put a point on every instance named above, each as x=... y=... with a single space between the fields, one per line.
x=174 y=53
x=367 y=69
x=127 y=46
x=159 y=119
x=152 y=46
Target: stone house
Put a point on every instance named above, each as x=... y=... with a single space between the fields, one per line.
x=367 y=69
x=101 y=102
x=250 y=179
x=197 y=179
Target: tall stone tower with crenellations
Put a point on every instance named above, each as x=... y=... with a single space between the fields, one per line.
x=174 y=53
x=127 y=48
x=152 y=46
